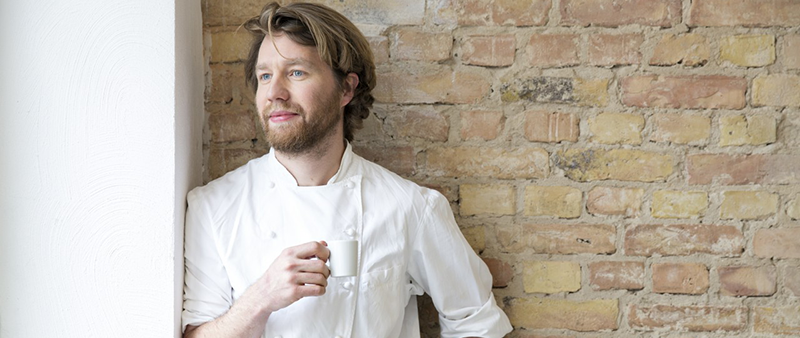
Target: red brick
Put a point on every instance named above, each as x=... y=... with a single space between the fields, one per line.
x=713 y=91
x=688 y=318
x=687 y=49
x=680 y=278
x=492 y=12
x=747 y=280
x=777 y=320
x=541 y=126
x=380 y=48
x=683 y=239
x=750 y=13
x=502 y=272
x=232 y=127
x=414 y=44
x=400 y=160
x=553 y=50
x=571 y=238
x=221 y=161
x=777 y=243
x=743 y=169
x=791 y=51
x=724 y=168
x=489 y=50
x=613 y=50
x=435 y=84
x=497 y=163
x=482 y=125
x=614 y=201
x=424 y=122
x=616 y=275
x=613 y=13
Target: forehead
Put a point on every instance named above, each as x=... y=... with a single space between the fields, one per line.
x=281 y=49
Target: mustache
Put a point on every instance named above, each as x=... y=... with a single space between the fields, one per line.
x=282 y=107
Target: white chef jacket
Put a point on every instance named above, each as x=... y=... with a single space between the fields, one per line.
x=409 y=243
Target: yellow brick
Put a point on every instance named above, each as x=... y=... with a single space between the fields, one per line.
x=551 y=277
x=486 y=199
x=489 y=162
x=776 y=90
x=549 y=313
x=748 y=204
x=591 y=92
x=616 y=164
x=679 y=204
x=683 y=129
x=476 y=237
x=562 y=202
x=748 y=50
x=230 y=46
x=613 y=128
x=783 y=320
x=740 y=130
x=794 y=208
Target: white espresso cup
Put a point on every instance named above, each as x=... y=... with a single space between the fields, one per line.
x=343 y=260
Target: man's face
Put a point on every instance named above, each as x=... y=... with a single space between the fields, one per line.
x=298 y=98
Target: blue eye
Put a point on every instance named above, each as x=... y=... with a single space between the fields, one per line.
x=265 y=77
x=297 y=73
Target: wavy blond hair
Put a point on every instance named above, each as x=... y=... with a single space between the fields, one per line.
x=339 y=42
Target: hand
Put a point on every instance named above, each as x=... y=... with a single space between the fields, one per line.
x=294 y=275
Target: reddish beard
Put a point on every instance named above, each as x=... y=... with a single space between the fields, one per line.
x=304 y=133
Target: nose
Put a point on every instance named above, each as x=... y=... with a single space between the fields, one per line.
x=276 y=90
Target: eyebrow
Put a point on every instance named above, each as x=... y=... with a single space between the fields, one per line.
x=289 y=62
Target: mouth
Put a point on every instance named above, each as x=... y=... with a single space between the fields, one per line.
x=281 y=116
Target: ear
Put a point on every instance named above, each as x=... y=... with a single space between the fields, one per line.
x=350 y=84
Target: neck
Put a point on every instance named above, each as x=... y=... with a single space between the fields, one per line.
x=317 y=165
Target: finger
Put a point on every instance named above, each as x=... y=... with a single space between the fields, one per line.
x=313 y=266
x=311 y=278
x=310 y=249
x=310 y=290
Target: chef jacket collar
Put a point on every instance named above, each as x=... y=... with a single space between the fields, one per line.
x=283 y=175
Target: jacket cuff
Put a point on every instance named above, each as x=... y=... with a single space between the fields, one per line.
x=489 y=321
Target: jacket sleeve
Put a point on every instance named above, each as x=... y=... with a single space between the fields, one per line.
x=458 y=281
x=207 y=289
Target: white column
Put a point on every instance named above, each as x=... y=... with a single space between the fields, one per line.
x=100 y=118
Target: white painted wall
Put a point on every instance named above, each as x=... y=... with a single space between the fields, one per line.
x=100 y=119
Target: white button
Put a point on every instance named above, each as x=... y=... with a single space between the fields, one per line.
x=349 y=232
x=349 y=185
x=338 y=337
x=347 y=285
x=270 y=185
x=272 y=234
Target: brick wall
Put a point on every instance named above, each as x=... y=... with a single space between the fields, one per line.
x=626 y=168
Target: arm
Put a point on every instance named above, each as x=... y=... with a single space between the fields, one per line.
x=292 y=276
x=458 y=281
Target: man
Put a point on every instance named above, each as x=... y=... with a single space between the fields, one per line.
x=255 y=249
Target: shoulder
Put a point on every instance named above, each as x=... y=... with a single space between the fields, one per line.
x=218 y=192
x=402 y=190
